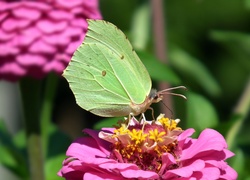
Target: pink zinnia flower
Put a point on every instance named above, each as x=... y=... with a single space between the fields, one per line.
x=150 y=150
x=37 y=37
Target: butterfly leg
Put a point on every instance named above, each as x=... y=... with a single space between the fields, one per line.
x=144 y=121
x=130 y=116
x=152 y=113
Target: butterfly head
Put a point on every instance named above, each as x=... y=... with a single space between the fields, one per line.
x=154 y=96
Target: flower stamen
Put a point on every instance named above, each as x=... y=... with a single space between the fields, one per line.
x=144 y=143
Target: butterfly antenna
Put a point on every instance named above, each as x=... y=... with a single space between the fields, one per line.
x=172 y=113
x=173 y=88
x=175 y=94
x=166 y=91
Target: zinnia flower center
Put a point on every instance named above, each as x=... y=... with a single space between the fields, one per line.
x=144 y=143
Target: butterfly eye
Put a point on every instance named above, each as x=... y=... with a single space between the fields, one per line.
x=156 y=97
x=153 y=94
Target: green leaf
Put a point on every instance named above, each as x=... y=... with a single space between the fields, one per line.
x=237 y=162
x=237 y=45
x=7 y=157
x=19 y=139
x=157 y=70
x=5 y=136
x=52 y=166
x=141 y=26
x=61 y=139
x=235 y=124
x=247 y=4
x=192 y=68
x=12 y=155
x=200 y=112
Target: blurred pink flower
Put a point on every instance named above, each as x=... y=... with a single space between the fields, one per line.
x=37 y=37
x=161 y=151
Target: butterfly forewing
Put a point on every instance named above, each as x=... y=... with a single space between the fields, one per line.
x=105 y=74
x=131 y=72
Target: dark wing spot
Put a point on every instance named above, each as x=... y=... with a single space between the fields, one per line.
x=122 y=57
x=104 y=73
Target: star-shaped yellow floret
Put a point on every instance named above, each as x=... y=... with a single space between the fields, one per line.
x=156 y=135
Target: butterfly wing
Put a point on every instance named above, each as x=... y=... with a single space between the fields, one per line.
x=105 y=74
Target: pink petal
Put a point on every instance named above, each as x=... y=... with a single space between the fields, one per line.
x=87 y=164
x=72 y=47
x=107 y=137
x=22 y=40
x=12 y=24
x=32 y=32
x=60 y=15
x=5 y=36
x=3 y=15
x=208 y=140
x=183 y=138
x=230 y=174
x=56 y=39
x=55 y=66
x=188 y=170
x=25 y=40
x=167 y=160
x=80 y=22
x=211 y=155
x=26 y=37
x=70 y=170
x=92 y=4
x=41 y=47
x=101 y=176
x=139 y=174
x=64 y=58
x=83 y=147
x=27 y=13
x=6 y=49
x=4 y=6
x=73 y=32
x=12 y=68
x=31 y=60
x=218 y=164
x=65 y=3
x=77 y=10
x=119 y=166
x=228 y=153
x=210 y=173
x=51 y=27
x=44 y=6
x=104 y=146
x=108 y=130
x=185 y=134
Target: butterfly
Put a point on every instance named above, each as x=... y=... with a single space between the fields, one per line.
x=106 y=75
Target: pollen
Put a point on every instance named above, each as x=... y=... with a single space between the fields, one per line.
x=156 y=136
x=169 y=124
x=144 y=143
x=137 y=136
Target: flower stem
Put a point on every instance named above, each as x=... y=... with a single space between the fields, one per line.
x=239 y=115
x=31 y=93
x=47 y=104
x=160 y=45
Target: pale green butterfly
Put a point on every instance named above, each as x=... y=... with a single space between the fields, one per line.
x=106 y=75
